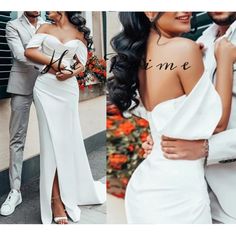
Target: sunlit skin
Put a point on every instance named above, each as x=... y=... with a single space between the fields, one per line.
x=64 y=31
x=171 y=25
x=185 y=149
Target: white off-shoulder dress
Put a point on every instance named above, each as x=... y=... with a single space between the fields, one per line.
x=61 y=143
x=165 y=191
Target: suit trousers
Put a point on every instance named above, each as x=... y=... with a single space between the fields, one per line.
x=20 y=110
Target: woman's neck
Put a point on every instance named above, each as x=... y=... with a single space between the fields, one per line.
x=164 y=36
x=62 y=22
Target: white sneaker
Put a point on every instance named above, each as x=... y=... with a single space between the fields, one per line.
x=13 y=200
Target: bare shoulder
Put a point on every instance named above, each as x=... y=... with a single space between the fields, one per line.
x=45 y=28
x=185 y=47
x=186 y=51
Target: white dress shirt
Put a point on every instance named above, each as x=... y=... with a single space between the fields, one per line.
x=33 y=28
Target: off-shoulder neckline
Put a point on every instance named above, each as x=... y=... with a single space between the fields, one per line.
x=64 y=42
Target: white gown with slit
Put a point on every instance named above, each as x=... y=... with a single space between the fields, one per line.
x=61 y=142
x=164 y=191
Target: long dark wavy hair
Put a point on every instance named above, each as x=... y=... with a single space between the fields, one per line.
x=76 y=18
x=130 y=48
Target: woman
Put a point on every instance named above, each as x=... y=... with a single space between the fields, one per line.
x=65 y=177
x=181 y=102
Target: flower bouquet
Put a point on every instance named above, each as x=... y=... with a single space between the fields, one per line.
x=95 y=72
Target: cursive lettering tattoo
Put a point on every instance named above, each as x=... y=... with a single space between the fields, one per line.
x=147 y=65
x=164 y=65
x=59 y=60
x=184 y=66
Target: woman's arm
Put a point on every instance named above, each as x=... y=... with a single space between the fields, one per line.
x=64 y=74
x=191 y=54
x=225 y=56
x=36 y=56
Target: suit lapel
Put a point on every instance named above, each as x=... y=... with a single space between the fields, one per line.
x=26 y=25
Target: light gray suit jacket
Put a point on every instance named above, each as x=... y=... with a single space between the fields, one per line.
x=23 y=72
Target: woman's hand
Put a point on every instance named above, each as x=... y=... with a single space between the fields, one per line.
x=179 y=149
x=147 y=146
x=55 y=66
x=225 y=51
x=79 y=68
x=64 y=75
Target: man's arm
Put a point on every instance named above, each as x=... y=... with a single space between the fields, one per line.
x=222 y=147
x=16 y=46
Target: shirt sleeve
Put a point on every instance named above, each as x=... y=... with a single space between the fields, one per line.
x=222 y=147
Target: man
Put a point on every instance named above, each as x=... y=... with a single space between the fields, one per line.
x=21 y=82
x=221 y=156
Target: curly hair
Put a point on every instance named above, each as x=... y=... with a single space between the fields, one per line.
x=130 y=48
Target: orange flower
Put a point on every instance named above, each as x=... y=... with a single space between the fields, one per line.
x=143 y=136
x=102 y=62
x=117 y=160
x=127 y=127
x=142 y=123
x=117 y=133
x=109 y=123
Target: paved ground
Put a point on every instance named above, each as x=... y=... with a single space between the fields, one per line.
x=29 y=212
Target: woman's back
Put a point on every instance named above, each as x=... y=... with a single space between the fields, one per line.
x=166 y=69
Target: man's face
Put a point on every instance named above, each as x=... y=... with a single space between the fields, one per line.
x=33 y=14
x=222 y=18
